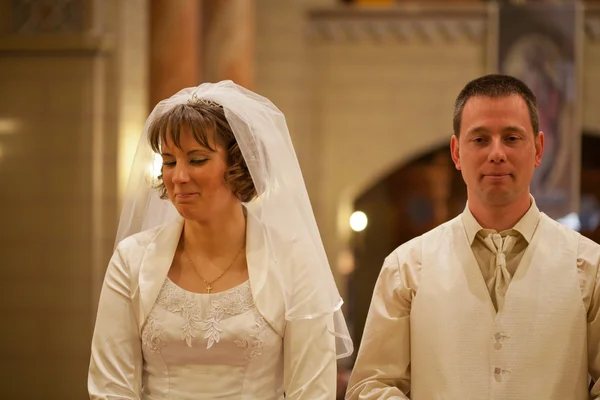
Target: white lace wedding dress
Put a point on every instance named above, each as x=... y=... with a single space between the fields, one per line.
x=210 y=346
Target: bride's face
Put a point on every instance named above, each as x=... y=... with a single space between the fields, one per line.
x=194 y=178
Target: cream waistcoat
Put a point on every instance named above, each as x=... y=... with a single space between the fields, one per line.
x=462 y=349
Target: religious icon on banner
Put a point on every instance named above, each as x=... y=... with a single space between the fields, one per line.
x=539 y=43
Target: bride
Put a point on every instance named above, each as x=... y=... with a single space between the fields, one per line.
x=219 y=287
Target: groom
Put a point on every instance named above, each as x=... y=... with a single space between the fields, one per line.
x=501 y=302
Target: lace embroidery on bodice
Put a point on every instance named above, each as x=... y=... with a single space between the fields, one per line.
x=256 y=336
x=176 y=300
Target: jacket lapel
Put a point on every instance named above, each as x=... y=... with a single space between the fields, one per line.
x=156 y=263
x=265 y=283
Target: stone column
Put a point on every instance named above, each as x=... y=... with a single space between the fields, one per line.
x=175 y=46
x=229 y=41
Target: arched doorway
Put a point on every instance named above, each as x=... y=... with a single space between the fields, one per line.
x=402 y=205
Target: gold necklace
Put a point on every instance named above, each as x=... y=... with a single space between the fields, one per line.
x=206 y=283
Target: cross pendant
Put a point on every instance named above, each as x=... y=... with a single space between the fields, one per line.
x=208 y=288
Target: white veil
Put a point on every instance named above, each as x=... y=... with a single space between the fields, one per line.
x=282 y=206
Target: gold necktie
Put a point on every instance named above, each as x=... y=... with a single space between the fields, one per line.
x=498 y=285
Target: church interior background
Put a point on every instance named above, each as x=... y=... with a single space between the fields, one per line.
x=367 y=87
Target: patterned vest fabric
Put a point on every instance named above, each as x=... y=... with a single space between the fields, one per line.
x=534 y=347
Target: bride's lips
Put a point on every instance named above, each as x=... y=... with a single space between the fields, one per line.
x=185 y=195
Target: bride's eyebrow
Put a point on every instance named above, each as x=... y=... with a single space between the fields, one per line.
x=193 y=151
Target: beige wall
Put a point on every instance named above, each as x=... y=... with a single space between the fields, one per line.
x=68 y=100
x=283 y=74
x=48 y=220
x=358 y=108
x=380 y=106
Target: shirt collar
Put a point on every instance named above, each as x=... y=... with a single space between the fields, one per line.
x=526 y=225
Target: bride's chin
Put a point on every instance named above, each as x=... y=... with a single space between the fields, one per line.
x=192 y=215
